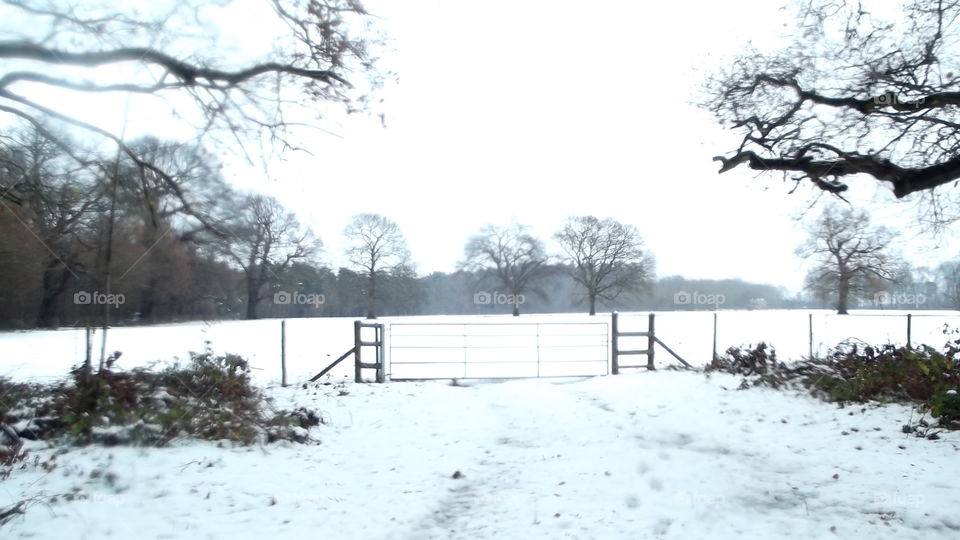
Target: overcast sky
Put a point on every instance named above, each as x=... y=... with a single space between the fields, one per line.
x=536 y=110
x=539 y=110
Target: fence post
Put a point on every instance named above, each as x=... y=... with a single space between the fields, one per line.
x=810 y=326
x=909 y=328
x=614 y=348
x=283 y=353
x=714 y=336
x=356 y=350
x=381 y=367
x=651 y=341
x=538 y=350
x=464 y=350
x=89 y=359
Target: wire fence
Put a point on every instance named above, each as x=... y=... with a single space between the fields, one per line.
x=794 y=334
x=313 y=343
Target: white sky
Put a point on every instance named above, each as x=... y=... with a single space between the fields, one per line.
x=536 y=110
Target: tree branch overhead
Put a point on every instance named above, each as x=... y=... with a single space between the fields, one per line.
x=854 y=95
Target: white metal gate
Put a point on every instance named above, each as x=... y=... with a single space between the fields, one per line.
x=491 y=350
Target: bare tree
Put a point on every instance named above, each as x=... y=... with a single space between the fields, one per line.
x=607 y=258
x=170 y=214
x=263 y=241
x=58 y=203
x=849 y=256
x=856 y=95
x=153 y=52
x=948 y=276
x=515 y=257
x=376 y=248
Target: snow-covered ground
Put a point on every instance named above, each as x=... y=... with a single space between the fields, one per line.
x=640 y=455
x=643 y=455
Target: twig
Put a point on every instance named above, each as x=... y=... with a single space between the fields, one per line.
x=185 y=465
x=8 y=513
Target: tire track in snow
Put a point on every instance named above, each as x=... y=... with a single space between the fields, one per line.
x=525 y=483
x=680 y=456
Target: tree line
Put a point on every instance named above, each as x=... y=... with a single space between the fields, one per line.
x=110 y=243
x=95 y=241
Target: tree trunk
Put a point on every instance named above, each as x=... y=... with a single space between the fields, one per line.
x=253 y=298
x=55 y=278
x=593 y=303
x=372 y=296
x=148 y=300
x=843 y=294
x=148 y=297
x=516 y=309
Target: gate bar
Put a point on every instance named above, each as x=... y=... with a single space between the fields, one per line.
x=650 y=351
x=331 y=366
x=358 y=364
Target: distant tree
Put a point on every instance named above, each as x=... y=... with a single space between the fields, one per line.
x=862 y=92
x=607 y=258
x=215 y=291
x=515 y=258
x=308 y=284
x=58 y=202
x=448 y=294
x=167 y=216
x=925 y=280
x=264 y=240
x=155 y=279
x=849 y=256
x=948 y=277
x=348 y=294
x=376 y=248
x=402 y=291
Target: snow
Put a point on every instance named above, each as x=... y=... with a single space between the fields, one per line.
x=314 y=343
x=640 y=455
x=644 y=455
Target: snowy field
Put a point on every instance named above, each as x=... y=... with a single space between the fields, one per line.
x=314 y=343
x=644 y=455
x=641 y=455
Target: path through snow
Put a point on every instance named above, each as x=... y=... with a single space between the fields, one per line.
x=649 y=455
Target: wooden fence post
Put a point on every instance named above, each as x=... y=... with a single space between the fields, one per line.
x=283 y=353
x=89 y=358
x=909 y=328
x=651 y=341
x=381 y=367
x=614 y=348
x=357 y=347
x=714 y=357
